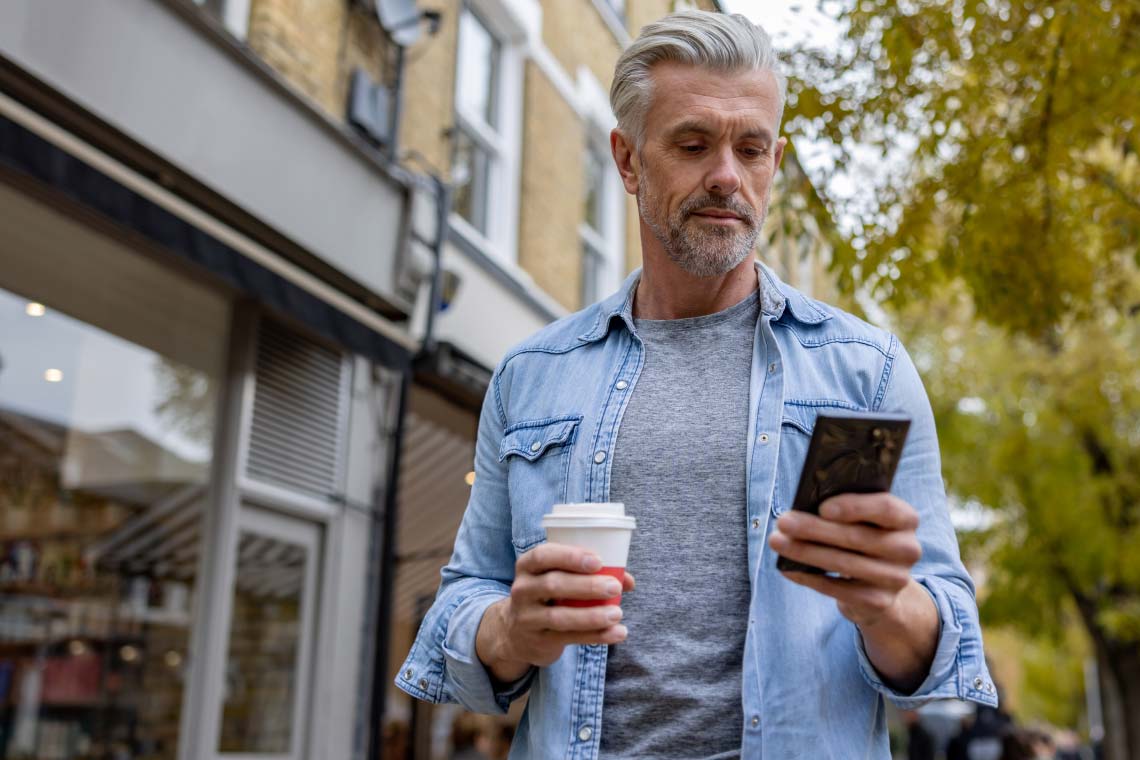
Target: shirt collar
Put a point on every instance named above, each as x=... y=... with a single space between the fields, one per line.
x=776 y=298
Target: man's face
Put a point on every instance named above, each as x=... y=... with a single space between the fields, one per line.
x=706 y=166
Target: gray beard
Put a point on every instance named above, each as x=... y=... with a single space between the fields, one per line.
x=702 y=251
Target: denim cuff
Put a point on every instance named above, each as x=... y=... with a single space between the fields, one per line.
x=443 y=665
x=957 y=655
x=464 y=673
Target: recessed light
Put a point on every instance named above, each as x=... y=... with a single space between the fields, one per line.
x=76 y=648
x=53 y=375
x=34 y=309
x=172 y=659
x=469 y=478
x=128 y=653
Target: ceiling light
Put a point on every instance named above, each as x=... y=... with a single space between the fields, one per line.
x=34 y=309
x=76 y=648
x=53 y=375
x=470 y=478
x=172 y=659
x=128 y=653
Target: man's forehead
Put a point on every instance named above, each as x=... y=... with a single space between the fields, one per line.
x=699 y=97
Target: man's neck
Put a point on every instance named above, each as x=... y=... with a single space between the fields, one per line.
x=666 y=291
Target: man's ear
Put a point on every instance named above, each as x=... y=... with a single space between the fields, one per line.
x=625 y=156
x=780 y=145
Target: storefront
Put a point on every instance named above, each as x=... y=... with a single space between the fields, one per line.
x=232 y=460
x=196 y=432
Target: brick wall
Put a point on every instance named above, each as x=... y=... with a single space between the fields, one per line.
x=315 y=44
x=552 y=190
x=429 y=90
x=577 y=36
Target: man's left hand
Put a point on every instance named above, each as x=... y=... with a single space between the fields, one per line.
x=868 y=539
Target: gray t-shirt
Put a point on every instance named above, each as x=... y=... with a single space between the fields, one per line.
x=673 y=688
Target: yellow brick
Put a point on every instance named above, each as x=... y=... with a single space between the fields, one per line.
x=576 y=35
x=429 y=90
x=314 y=44
x=552 y=189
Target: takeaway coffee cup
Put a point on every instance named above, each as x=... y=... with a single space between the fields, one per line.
x=603 y=529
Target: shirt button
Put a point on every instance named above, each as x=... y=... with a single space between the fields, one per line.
x=408 y=674
x=756 y=522
x=621 y=385
x=755 y=721
x=600 y=457
x=763 y=438
x=585 y=732
x=535 y=446
x=979 y=683
x=423 y=684
x=772 y=367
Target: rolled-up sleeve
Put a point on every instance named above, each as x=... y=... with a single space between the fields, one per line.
x=958 y=670
x=442 y=665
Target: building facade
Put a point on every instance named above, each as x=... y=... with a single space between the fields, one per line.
x=257 y=261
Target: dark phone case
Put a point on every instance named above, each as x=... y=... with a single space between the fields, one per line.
x=848 y=453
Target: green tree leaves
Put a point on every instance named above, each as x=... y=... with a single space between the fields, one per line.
x=995 y=145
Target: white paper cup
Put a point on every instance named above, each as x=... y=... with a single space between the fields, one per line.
x=604 y=529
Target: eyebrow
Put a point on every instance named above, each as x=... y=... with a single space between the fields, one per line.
x=694 y=126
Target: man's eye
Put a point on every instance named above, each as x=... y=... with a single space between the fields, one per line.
x=692 y=148
x=753 y=152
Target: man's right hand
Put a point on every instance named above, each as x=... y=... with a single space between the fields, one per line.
x=527 y=629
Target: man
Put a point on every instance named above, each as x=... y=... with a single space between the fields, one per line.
x=690 y=395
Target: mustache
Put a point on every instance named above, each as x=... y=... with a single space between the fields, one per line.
x=742 y=210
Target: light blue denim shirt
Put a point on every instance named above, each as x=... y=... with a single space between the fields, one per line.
x=549 y=421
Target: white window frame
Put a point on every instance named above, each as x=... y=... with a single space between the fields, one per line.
x=615 y=18
x=255 y=519
x=608 y=239
x=235 y=16
x=512 y=24
x=331 y=646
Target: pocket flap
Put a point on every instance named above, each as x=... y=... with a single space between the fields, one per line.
x=802 y=416
x=532 y=439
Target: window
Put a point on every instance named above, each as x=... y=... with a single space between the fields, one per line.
x=601 y=210
x=486 y=138
x=110 y=371
x=478 y=141
x=271 y=626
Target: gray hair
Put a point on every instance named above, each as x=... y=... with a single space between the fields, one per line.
x=723 y=42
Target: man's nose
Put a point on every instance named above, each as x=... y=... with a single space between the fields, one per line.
x=723 y=177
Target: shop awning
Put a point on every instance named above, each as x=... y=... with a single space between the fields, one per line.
x=33 y=153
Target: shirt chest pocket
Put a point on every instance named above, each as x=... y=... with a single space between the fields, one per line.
x=795 y=434
x=538 y=455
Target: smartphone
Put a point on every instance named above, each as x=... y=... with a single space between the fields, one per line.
x=850 y=452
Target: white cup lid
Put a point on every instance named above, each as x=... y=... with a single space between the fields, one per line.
x=601 y=515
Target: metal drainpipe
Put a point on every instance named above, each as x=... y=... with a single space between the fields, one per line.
x=397 y=105
x=387 y=576
x=388 y=549
x=442 y=210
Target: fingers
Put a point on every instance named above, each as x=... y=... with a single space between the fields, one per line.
x=615 y=634
x=627 y=583
x=889 y=575
x=558 y=584
x=881 y=509
x=550 y=556
x=900 y=546
x=562 y=619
